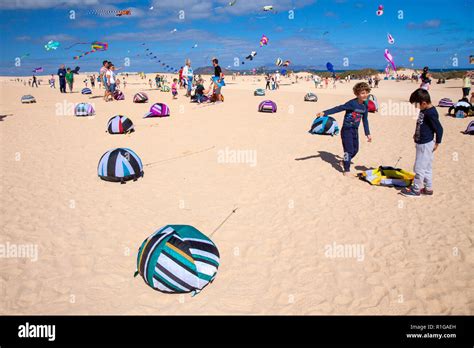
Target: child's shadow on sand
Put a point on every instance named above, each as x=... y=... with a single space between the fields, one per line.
x=333 y=160
x=328 y=157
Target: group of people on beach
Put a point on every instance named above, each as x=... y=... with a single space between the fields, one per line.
x=194 y=85
x=108 y=78
x=272 y=81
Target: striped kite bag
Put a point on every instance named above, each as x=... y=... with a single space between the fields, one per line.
x=158 y=110
x=120 y=125
x=120 y=165
x=140 y=97
x=177 y=259
x=267 y=106
x=325 y=125
x=26 y=99
x=84 y=109
x=118 y=95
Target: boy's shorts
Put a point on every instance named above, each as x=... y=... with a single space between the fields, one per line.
x=175 y=93
x=112 y=87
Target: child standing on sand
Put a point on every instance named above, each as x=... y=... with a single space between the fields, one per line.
x=70 y=79
x=426 y=127
x=174 y=88
x=52 y=82
x=356 y=110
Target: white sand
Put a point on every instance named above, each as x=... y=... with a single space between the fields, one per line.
x=418 y=253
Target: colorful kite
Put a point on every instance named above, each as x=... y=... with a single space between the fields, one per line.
x=37 y=70
x=152 y=57
x=251 y=55
x=95 y=46
x=389 y=58
x=263 y=41
x=267 y=8
x=379 y=11
x=390 y=39
x=51 y=45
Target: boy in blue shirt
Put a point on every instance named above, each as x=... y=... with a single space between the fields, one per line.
x=356 y=110
x=426 y=127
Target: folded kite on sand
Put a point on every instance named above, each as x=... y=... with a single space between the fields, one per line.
x=84 y=109
x=140 y=97
x=120 y=125
x=120 y=165
x=158 y=110
x=178 y=259
x=267 y=106
x=260 y=92
x=27 y=99
x=388 y=176
x=311 y=97
x=325 y=125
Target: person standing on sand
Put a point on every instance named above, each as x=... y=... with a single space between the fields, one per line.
x=188 y=75
x=267 y=78
x=180 y=77
x=62 y=78
x=111 y=83
x=174 y=88
x=376 y=81
x=355 y=112
x=102 y=76
x=466 y=84
x=52 y=82
x=426 y=144
x=34 y=81
x=218 y=76
x=425 y=79
x=70 y=79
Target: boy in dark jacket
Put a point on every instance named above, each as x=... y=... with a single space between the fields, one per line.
x=356 y=110
x=427 y=126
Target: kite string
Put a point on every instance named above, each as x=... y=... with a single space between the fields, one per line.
x=177 y=157
x=223 y=222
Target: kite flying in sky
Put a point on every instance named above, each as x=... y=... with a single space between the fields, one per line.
x=95 y=46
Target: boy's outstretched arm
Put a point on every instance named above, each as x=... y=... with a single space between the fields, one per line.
x=334 y=110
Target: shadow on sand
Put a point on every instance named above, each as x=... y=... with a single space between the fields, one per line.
x=328 y=157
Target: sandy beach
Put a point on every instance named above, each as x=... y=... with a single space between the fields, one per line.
x=292 y=204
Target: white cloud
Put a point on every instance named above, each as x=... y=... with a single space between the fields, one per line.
x=429 y=24
x=58 y=37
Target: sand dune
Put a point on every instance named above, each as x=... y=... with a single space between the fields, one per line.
x=292 y=203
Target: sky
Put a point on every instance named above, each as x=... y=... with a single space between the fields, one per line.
x=347 y=33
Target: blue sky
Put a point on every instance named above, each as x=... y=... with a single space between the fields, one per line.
x=434 y=33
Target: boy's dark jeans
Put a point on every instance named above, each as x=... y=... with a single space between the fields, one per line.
x=350 y=143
